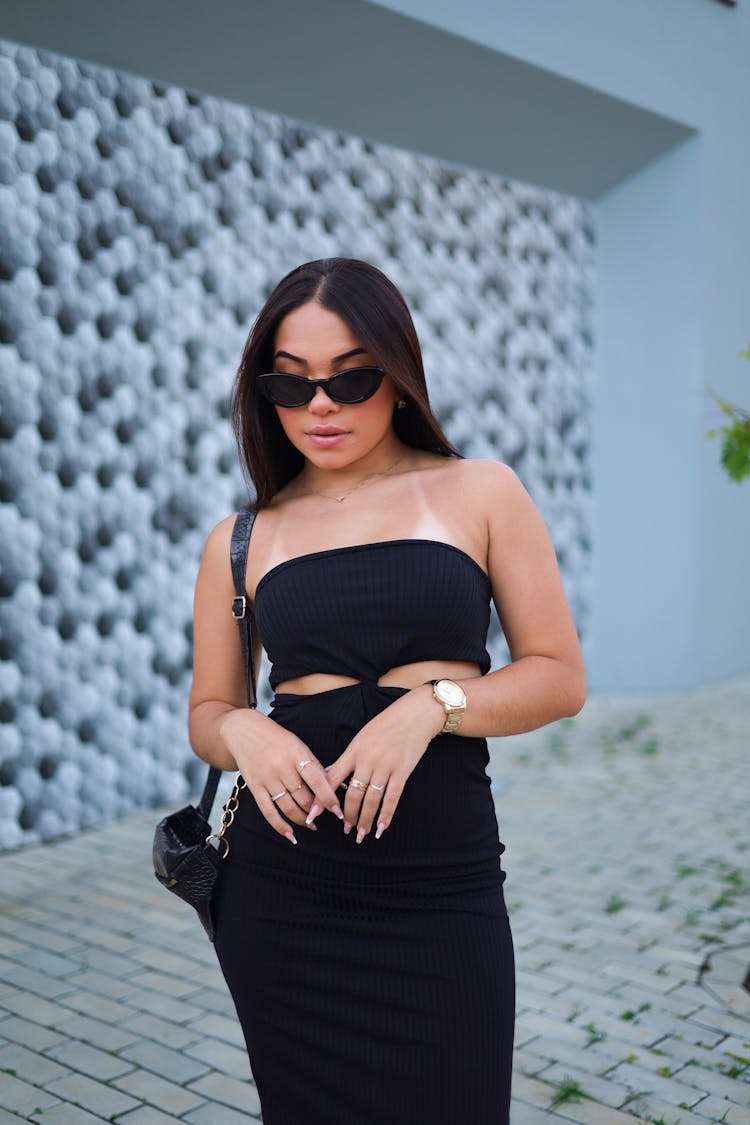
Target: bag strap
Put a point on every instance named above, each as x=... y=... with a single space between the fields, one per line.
x=243 y=526
x=209 y=792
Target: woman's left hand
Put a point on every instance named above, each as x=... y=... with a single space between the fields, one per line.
x=381 y=756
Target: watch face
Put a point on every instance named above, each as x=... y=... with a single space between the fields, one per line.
x=450 y=693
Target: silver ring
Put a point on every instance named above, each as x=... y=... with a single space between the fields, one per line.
x=281 y=794
x=379 y=788
x=301 y=765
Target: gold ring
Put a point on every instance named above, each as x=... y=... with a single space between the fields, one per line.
x=379 y=788
x=355 y=783
x=301 y=765
x=281 y=794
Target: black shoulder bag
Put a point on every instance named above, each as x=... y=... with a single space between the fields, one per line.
x=185 y=860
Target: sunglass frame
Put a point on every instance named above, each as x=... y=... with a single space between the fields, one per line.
x=308 y=387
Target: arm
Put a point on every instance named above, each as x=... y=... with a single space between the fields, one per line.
x=223 y=730
x=546 y=679
x=218 y=686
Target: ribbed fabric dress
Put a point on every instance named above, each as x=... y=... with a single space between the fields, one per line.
x=375 y=982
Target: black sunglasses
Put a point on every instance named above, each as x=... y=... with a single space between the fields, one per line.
x=347 y=387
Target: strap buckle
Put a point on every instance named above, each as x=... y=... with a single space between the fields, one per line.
x=239 y=607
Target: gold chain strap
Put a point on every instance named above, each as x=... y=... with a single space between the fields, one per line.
x=227 y=816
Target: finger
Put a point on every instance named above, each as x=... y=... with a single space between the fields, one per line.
x=391 y=798
x=324 y=797
x=301 y=794
x=272 y=815
x=338 y=772
x=355 y=795
x=286 y=804
x=370 y=806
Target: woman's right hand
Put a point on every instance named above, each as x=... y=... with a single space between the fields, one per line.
x=279 y=769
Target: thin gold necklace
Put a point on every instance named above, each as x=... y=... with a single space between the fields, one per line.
x=348 y=491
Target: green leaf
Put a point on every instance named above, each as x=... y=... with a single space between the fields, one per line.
x=735 y=450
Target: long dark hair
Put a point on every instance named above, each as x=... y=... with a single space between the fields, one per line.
x=378 y=316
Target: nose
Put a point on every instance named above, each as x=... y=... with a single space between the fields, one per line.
x=321 y=403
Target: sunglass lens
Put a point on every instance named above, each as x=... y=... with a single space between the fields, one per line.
x=356 y=385
x=284 y=390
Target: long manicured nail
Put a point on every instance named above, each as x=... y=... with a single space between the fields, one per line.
x=380 y=830
x=312 y=814
x=347 y=827
x=361 y=833
x=337 y=810
x=291 y=837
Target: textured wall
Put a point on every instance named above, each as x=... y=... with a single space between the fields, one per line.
x=145 y=227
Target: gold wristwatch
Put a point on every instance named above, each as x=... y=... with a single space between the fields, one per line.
x=453 y=698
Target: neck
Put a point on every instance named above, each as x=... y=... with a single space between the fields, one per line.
x=381 y=459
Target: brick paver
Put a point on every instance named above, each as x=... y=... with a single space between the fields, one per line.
x=628 y=887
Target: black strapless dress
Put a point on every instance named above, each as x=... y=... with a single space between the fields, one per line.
x=375 y=982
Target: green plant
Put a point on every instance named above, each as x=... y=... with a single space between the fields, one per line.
x=628 y=731
x=735 y=435
x=614 y=903
x=568 y=1090
x=595 y=1035
x=635 y=1096
x=630 y=1014
x=737 y=1068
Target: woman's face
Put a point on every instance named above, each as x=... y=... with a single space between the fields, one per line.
x=313 y=342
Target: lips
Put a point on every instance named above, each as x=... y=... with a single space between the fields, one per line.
x=326 y=437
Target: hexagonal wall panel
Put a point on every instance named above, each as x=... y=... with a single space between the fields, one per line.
x=145 y=227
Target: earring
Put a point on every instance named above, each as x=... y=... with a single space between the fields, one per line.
x=401 y=404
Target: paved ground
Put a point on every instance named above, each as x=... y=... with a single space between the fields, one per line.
x=628 y=847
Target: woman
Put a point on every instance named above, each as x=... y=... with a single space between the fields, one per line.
x=361 y=926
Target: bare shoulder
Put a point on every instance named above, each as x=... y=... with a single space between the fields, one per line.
x=220 y=536
x=215 y=560
x=495 y=474
x=492 y=482
x=500 y=500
